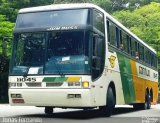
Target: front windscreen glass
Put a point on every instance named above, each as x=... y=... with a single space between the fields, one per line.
x=51 y=53
x=52 y=18
x=28 y=51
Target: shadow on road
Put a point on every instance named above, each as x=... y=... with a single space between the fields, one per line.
x=80 y=114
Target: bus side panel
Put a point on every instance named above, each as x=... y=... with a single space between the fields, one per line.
x=126 y=78
x=144 y=79
x=134 y=84
x=139 y=84
x=113 y=75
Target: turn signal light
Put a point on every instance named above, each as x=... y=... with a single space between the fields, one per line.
x=18 y=100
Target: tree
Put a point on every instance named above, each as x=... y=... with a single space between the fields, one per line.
x=144 y=22
x=72 y=1
x=6 y=29
x=9 y=8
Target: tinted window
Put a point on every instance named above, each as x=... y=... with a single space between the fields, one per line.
x=147 y=56
x=141 y=52
x=98 y=21
x=133 y=48
x=111 y=33
x=57 y=53
x=52 y=18
x=66 y=43
x=123 y=42
x=155 y=61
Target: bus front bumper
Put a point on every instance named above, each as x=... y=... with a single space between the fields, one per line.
x=52 y=97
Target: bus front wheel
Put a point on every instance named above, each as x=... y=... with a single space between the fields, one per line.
x=110 y=104
x=48 y=110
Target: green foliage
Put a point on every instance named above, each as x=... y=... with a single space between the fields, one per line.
x=6 y=28
x=8 y=11
x=11 y=7
x=144 y=22
x=72 y=1
x=105 y=4
x=28 y=3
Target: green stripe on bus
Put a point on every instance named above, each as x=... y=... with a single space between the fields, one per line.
x=55 y=79
x=126 y=78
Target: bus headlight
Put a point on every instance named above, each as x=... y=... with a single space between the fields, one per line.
x=74 y=84
x=77 y=83
x=85 y=84
x=16 y=96
x=70 y=84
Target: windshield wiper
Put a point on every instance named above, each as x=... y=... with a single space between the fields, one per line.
x=58 y=68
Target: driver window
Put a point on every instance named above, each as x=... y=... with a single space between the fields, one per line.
x=98 y=56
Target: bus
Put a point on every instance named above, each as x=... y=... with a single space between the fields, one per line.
x=79 y=56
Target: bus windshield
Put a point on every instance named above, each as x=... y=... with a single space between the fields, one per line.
x=51 y=53
x=52 y=18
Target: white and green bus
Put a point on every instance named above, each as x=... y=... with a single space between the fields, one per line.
x=79 y=56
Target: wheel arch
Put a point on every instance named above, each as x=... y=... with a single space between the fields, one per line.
x=112 y=85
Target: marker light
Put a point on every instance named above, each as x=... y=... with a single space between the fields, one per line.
x=77 y=83
x=19 y=84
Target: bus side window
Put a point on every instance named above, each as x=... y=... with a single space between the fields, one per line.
x=98 y=20
x=118 y=37
x=155 y=62
x=133 y=49
x=141 y=52
x=111 y=28
x=123 y=42
x=128 y=44
x=152 y=59
x=147 y=56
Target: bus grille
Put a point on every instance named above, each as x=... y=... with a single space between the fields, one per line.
x=33 y=84
x=54 y=84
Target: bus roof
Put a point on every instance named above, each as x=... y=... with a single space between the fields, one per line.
x=83 y=5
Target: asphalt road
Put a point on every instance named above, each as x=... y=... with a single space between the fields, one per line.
x=122 y=114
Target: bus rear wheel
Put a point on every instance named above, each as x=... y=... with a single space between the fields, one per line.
x=146 y=105
x=48 y=110
x=108 y=109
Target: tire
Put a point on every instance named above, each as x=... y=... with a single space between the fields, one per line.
x=144 y=106
x=48 y=110
x=147 y=104
x=108 y=109
x=148 y=100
